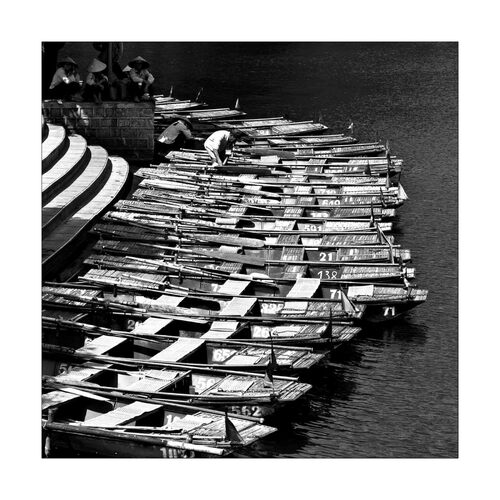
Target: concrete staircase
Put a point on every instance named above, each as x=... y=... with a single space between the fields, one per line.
x=78 y=183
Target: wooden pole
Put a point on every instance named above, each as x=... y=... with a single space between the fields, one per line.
x=110 y=59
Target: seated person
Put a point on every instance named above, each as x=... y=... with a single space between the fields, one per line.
x=96 y=85
x=218 y=142
x=118 y=88
x=140 y=79
x=66 y=81
x=174 y=136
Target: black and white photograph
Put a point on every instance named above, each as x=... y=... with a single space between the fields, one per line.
x=266 y=251
x=239 y=249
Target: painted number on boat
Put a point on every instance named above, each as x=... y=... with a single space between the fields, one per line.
x=249 y=410
x=327 y=256
x=312 y=227
x=329 y=203
x=271 y=307
x=327 y=274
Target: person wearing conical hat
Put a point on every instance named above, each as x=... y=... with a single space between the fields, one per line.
x=140 y=79
x=118 y=89
x=66 y=81
x=96 y=84
x=174 y=136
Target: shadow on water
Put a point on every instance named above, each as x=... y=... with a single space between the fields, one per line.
x=404 y=330
x=331 y=383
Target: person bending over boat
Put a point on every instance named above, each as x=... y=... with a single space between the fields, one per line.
x=140 y=79
x=66 y=81
x=217 y=144
x=174 y=136
x=96 y=84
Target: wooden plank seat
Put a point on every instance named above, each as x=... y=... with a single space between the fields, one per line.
x=56 y=398
x=75 y=373
x=238 y=306
x=233 y=287
x=152 y=326
x=81 y=373
x=304 y=288
x=123 y=415
x=101 y=345
x=179 y=350
x=155 y=380
x=221 y=330
x=131 y=279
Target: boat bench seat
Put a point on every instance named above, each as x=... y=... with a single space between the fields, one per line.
x=179 y=350
x=101 y=345
x=221 y=330
x=304 y=288
x=123 y=415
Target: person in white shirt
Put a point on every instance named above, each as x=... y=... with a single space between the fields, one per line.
x=66 y=81
x=217 y=144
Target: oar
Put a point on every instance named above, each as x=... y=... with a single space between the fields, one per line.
x=214 y=254
x=221 y=239
x=131 y=309
x=99 y=330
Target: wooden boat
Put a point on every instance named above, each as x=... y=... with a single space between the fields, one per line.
x=80 y=414
x=246 y=123
x=291 y=128
x=298 y=141
x=260 y=202
x=370 y=148
x=220 y=388
x=85 y=420
x=299 y=321
x=273 y=127
x=334 y=164
x=259 y=256
x=165 y=109
x=126 y=231
x=272 y=179
x=209 y=114
x=254 y=193
x=300 y=214
x=250 y=194
x=216 y=353
x=351 y=271
x=242 y=226
x=381 y=302
x=263 y=205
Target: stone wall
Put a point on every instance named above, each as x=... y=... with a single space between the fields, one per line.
x=123 y=128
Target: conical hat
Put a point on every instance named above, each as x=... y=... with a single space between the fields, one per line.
x=175 y=118
x=139 y=59
x=96 y=66
x=67 y=60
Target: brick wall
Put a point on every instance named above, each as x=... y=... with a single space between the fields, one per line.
x=123 y=128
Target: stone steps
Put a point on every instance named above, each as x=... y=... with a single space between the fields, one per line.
x=61 y=239
x=45 y=129
x=54 y=146
x=74 y=196
x=64 y=171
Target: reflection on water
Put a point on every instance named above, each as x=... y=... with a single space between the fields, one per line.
x=393 y=392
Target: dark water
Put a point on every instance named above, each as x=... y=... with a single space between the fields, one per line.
x=394 y=391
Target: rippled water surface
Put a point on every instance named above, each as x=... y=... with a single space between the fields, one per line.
x=394 y=391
